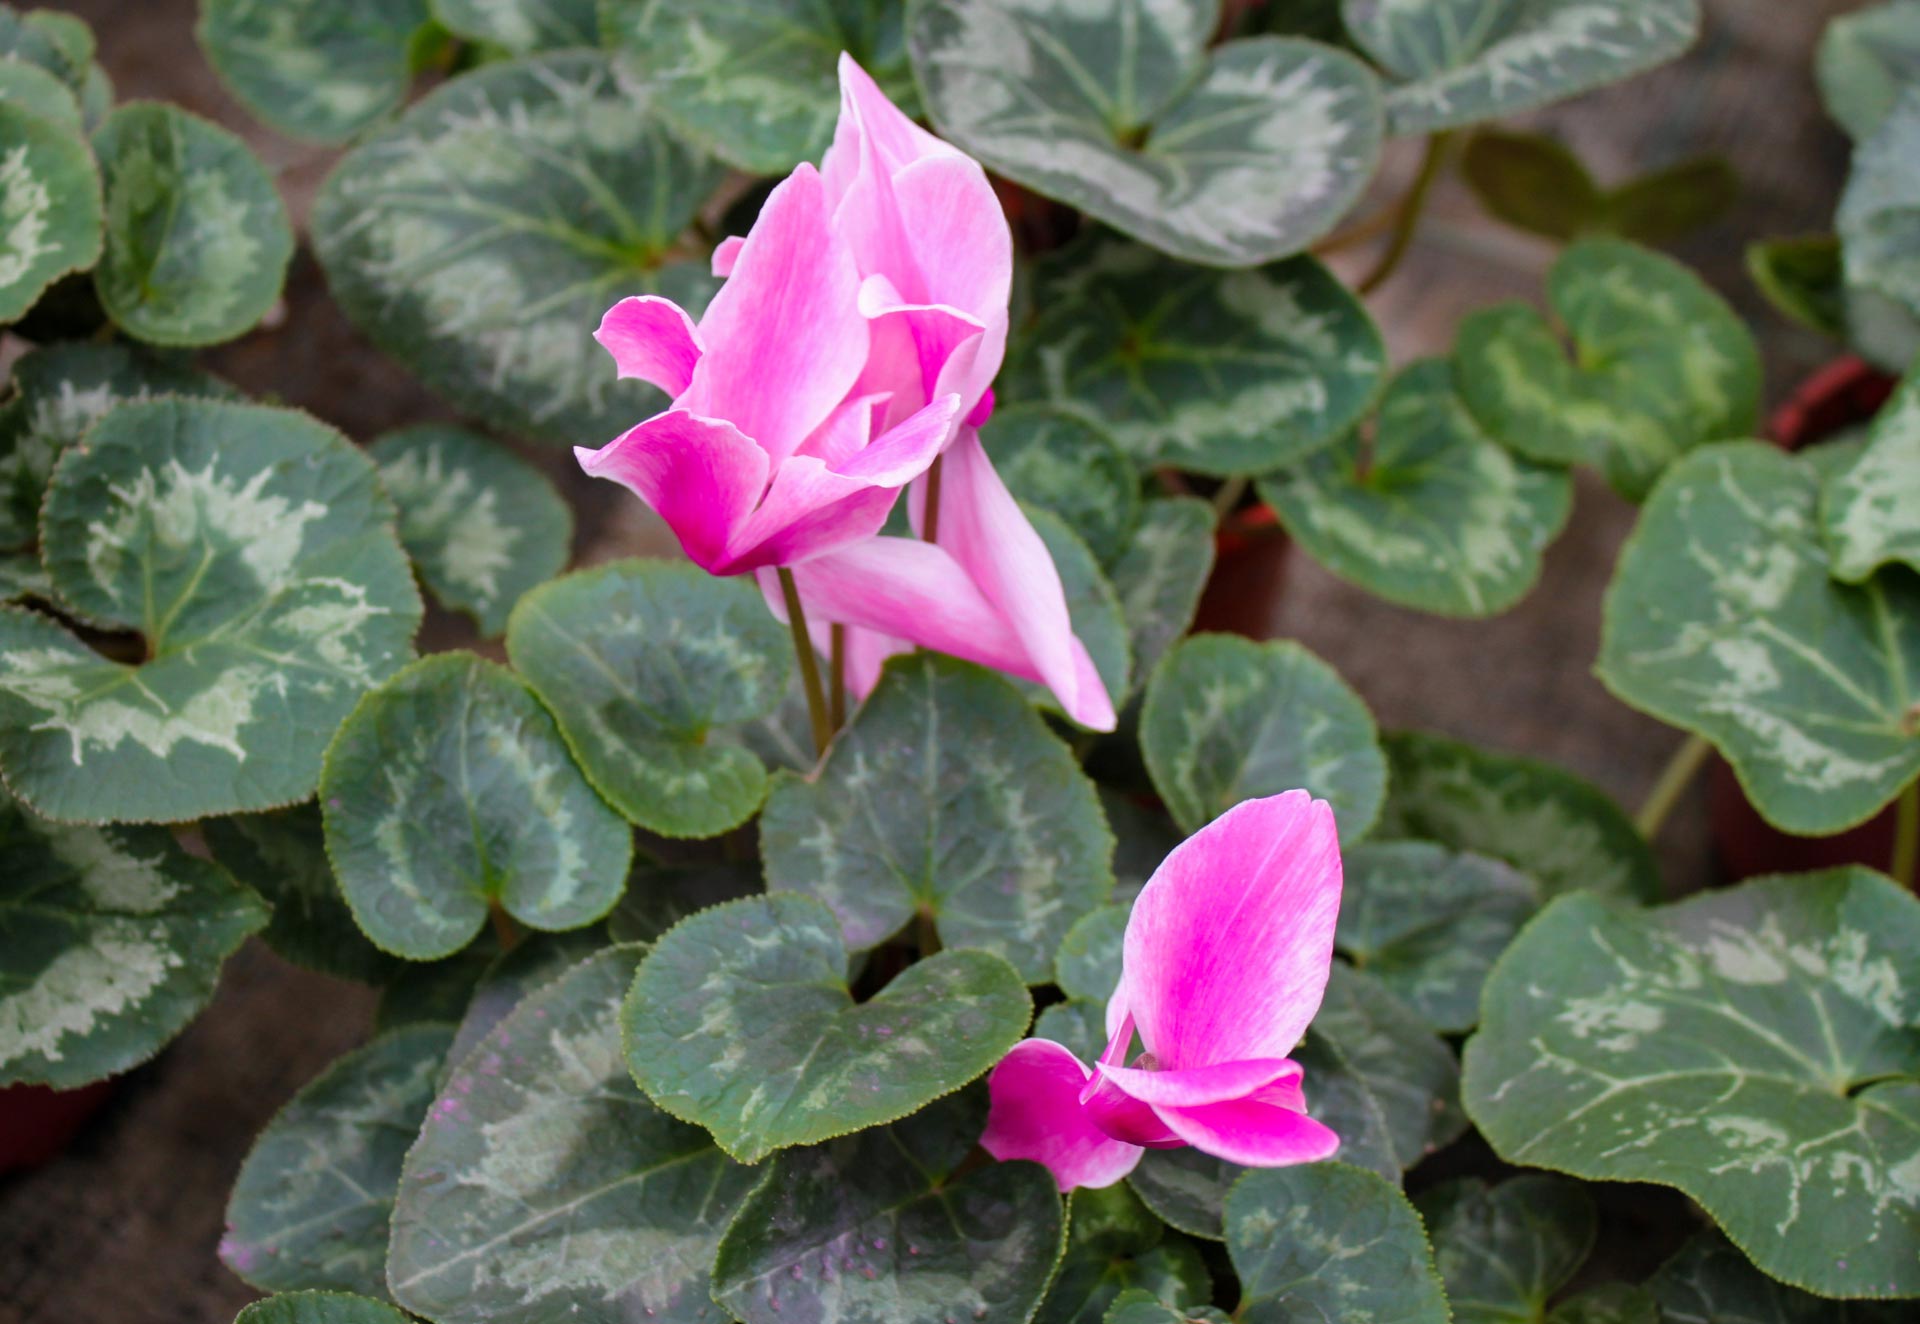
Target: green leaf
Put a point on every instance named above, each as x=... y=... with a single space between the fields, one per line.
x=1232 y=157
x=1530 y=181
x=1144 y=835
x=1051 y=458
x=1471 y=60
x=1666 y=205
x=1092 y=606
x=1079 y=1026
x=1562 y=832
x=1609 y=1303
x=317 y=69
x=282 y=855
x=480 y=237
x=254 y=552
x=1879 y=227
x=1227 y=719
x=1217 y=372
x=434 y=991
x=1722 y=619
x=1711 y=1282
x=531 y=963
x=945 y=796
x=1136 y=1305
x=1870 y=509
x=38 y=92
x=741 y=1020
x=1328 y=1241
x=197 y=241
x=448 y=790
x=648 y=665
x=1803 y=279
x=59 y=392
x=311 y=1205
x=113 y=939
x=1864 y=61
x=1115 y=1244
x=50 y=209
x=660 y=896
x=755 y=82
x=1160 y=576
x=58 y=43
x=1661 y=366
x=1088 y=963
x=875 y=1227
x=319 y=1308
x=543 y=1185
x=482 y=525
x=1753 y=1047
x=22 y=577
x=1504 y=1250
x=521 y=26
x=1429 y=511
x=1429 y=922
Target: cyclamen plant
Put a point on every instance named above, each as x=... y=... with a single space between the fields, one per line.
x=711 y=914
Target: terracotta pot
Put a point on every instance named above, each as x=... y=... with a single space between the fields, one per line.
x=1249 y=573
x=36 y=1123
x=1839 y=396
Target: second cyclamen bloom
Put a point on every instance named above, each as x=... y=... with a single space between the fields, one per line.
x=1225 y=961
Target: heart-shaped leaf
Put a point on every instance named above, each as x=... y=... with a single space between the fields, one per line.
x=755 y=82
x=1864 y=61
x=1870 y=509
x=1531 y=181
x=1136 y=1305
x=947 y=797
x=50 y=209
x=1803 y=278
x=320 y=1308
x=1754 y=1047
x=1662 y=365
x=254 y=552
x=1088 y=962
x=1160 y=576
x=1560 y=831
x=1879 y=227
x=1231 y=158
x=544 y=1186
x=1092 y=606
x=480 y=237
x=113 y=938
x=449 y=789
x=1063 y=464
x=1428 y=511
x=1218 y=372
x=310 y=1208
x=1329 y=1241
x=197 y=241
x=40 y=93
x=1504 y=1250
x=22 y=577
x=1470 y=60
x=1227 y=719
x=1114 y=1243
x=531 y=963
x=482 y=525
x=1429 y=923
x=282 y=855
x=876 y=1226
x=1723 y=618
x=741 y=1020
x=1711 y=1282
x=647 y=664
x=522 y=26
x=315 y=69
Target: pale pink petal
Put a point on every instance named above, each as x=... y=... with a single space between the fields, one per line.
x=1035 y=1115
x=1200 y=1085
x=653 y=340
x=1227 y=951
x=962 y=245
x=726 y=253
x=1257 y=1134
x=903 y=452
x=846 y=432
x=867 y=652
x=700 y=475
x=871 y=143
x=925 y=350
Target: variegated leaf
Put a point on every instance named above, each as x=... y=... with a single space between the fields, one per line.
x=1078 y=1025
x=482 y=525
x=449 y=789
x=1661 y=365
x=253 y=551
x=536 y=960
x=1864 y=61
x=39 y=92
x=522 y=26
x=741 y=1019
x=544 y=1186
x=1503 y=1251
x=1870 y=509
x=877 y=1228
x=317 y=69
x=110 y=941
x=1093 y=608
x=1711 y=1282
x=1879 y=227
x=1609 y=1303
x=50 y=209
x=649 y=666
x=1754 y=1047
x=1429 y=512
x=948 y=797
x=1114 y=1243
x=1723 y=618
x=755 y=81
x=1472 y=60
x=23 y=577
x=197 y=241
x=320 y=1308
x=1160 y=576
x=1136 y=1305
x=311 y=1206
x=1087 y=966
x=1062 y=463
x=1227 y=719
x=480 y=238
x=1216 y=372
x=58 y=43
x=1232 y=158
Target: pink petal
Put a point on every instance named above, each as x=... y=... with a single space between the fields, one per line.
x=846 y=432
x=962 y=245
x=1201 y=1085
x=924 y=350
x=652 y=339
x=700 y=475
x=726 y=253
x=1036 y=1115
x=1120 y=1116
x=1260 y=1135
x=903 y=452
x=1227 y=951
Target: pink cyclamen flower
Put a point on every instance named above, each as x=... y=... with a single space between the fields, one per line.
x=1224 y=964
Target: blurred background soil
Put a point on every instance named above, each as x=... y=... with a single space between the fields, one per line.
x=122 y=1229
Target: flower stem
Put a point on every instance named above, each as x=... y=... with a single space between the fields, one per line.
x=504 y=928
x=837 y=696
x=1679 y=773
x=931 y=521
x=809 y=664
x=1407 y=218
x=1227 y=499
x=1906 y=837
